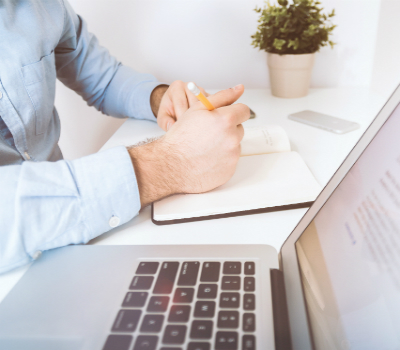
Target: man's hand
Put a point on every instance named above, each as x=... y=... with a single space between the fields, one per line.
x=197 y=154
x=170 y=103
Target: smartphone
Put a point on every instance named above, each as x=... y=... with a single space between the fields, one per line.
x=324 y=121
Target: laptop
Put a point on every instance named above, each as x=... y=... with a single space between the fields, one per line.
x=335 y=284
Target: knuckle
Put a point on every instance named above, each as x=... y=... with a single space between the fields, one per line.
x=177 y=84
x=233 y=144
x=243 y=110
x=227 y=119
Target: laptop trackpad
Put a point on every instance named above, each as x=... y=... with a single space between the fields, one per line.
x=38 y=343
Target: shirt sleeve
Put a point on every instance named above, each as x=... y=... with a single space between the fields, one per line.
x=103 y=82
x=47 y=205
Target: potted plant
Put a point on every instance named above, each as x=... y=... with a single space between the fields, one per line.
x=291 y=33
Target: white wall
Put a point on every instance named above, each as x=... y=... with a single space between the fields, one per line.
x=386 y=72
x=207 y=41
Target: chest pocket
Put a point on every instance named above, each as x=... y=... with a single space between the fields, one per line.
x=40 y=83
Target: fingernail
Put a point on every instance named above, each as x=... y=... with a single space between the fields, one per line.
x=237 y=87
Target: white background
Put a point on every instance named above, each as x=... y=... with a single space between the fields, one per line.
x=208 y=41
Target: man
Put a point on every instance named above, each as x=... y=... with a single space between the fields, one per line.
x=46 y=202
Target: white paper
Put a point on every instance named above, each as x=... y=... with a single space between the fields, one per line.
x=263 y=140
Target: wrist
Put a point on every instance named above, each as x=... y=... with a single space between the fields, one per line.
x=156 y=170
x=156 y=96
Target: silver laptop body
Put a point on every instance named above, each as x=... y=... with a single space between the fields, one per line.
x=229 y=297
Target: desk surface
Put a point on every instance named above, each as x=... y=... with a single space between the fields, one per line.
x=322 y=151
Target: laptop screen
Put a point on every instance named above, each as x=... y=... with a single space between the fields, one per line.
x=349 y=256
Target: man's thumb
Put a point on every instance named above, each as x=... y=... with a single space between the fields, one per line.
x=226 y=97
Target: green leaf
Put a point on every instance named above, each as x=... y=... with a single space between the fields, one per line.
x=278 y=43
x=293 y=27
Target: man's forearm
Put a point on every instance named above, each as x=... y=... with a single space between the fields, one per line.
x=155 y=168
x=155 y=98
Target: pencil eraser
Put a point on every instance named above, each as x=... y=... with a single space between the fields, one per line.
x=193 y=88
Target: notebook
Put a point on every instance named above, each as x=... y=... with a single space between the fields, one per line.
x=269 y=177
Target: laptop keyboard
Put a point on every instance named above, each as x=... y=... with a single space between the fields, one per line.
x=188 y=305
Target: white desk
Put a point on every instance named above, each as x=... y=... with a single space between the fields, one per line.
x=322 y=151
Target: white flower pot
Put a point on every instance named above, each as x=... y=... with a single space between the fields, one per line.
x=290 y=75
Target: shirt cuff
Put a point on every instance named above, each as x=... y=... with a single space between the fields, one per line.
x=108 y=190
x=128 y=94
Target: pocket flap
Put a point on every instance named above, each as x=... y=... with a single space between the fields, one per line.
x=32 y=73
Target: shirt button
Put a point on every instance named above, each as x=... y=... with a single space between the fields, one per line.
x=114 y=221
x=1 y=95
x=36 y=255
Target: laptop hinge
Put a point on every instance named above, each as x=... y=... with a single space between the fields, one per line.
x=280 y=311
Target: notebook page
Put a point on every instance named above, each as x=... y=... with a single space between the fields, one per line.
x=260 y=181
x=264 y=139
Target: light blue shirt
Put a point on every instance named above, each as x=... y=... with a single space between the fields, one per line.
x=47 y=202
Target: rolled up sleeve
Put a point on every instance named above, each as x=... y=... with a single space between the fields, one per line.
x=48 y=205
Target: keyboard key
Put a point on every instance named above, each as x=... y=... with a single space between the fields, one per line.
x=166 y=277
x=226 y=341
x=135 y=299
x=201 y=330
x=183 y=295
x=152 y=323
x=249 y=302
x=189 y=272
x=126 y=321
x=174 y=334
x=249 y=268
x=249 y=322
x=147 y=268
x=230 y=283
x=158 y=304
x=146 y=342
x=232 y=268
x=204 y=309
x=179 y=313
x=210 y=272
x=249 y=342
x=118 y=342
x=141 y=282
x=198 y=346
x=207 y=291
x=229 y=300
x=249 y=284
x=228 y=319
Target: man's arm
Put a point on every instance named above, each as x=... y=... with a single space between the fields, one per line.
x=46 y=205
x=116 y=90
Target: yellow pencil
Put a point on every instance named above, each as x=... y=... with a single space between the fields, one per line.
x=196 y=91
